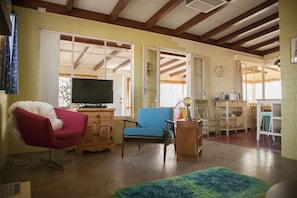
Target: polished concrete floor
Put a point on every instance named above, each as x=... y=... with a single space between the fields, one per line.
x=241 y=138
x=98 y=174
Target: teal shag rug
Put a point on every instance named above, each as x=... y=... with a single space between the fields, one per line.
x=213 y=182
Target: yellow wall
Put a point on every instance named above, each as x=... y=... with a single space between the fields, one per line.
x=288 y=29
x=3 y=135
x=30 y=21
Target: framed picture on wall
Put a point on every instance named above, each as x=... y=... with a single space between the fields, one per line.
x=294 y=50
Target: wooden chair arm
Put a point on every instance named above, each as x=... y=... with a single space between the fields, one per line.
x=133 y=121
x=166 y=128
x=129 y=121
x=169 y=122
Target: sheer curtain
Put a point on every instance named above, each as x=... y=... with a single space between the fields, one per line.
x=239 y=79
x=9 y=80
x=48 y=90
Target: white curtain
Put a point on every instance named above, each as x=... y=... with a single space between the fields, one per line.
x=239 y=79
x=48 y=89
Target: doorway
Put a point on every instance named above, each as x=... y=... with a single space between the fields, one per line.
x=165 y=77
x=170 y=75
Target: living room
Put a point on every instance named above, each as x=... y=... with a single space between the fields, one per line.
x=32 y=21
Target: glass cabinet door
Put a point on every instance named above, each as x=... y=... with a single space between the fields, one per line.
x=151 y=77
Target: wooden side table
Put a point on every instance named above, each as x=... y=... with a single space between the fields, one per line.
x=188 y=140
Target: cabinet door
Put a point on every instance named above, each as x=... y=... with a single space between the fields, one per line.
x=151 y=77
x=102 y=133
x=98 y=134
x=89 y=138
x=98 y=129
x=105 y=127
x=186 y=138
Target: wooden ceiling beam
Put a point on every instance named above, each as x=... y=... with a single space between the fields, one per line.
x=269 y=51
x=254 y=36
x=197 y=19
x=69 y=5
x=173 y=68
x=118 y=9
x=121 y=65
x=84 y=14
x=183 y=72
x=83 y=53
x=89 y=41
x=270 y=41
x=241 y=17
x=172 y=54
x=169 y=62
x=101 y=63
x=168 y=7
x=95 y=42
x=247 y=28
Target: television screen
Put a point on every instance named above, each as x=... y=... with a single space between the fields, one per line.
x=92 y=91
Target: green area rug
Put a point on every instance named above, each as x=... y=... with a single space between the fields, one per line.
x=213 y=182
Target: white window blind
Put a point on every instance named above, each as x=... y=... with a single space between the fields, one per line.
x=49 y=46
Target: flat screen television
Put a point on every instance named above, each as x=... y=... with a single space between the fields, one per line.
x=92 y=92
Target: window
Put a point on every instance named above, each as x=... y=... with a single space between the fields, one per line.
x=261 y=82
x=172 y=93
x=90 y=58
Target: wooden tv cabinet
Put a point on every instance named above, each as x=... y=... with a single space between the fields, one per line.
x=100 y=130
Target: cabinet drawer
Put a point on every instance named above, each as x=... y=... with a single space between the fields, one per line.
x=100 y=119
x=187 y=124
x=101 y=115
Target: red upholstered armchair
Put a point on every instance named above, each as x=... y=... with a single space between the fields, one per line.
x=37 y=130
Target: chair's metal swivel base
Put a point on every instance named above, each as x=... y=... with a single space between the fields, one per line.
x=54 y=163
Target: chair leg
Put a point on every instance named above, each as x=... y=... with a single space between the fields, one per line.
x=174 y=147
x=51 y=161
x=123 y=147
x=208 y=128
x=165 y=149
x=273 y=137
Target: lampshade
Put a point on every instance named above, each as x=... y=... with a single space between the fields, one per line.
x=187 y=101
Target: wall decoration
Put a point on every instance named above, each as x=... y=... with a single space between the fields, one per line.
x=219 y=70
x=294 y=50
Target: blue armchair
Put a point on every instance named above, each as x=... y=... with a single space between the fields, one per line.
x=154 y=125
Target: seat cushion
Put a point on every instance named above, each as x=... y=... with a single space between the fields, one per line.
x=149 y=132
x=66 y=134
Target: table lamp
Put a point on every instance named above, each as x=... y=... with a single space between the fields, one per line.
x=187 y=102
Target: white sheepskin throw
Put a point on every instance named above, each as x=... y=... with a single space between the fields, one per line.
x=40 y=108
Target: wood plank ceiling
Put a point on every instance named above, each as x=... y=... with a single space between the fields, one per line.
x=249 y=26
